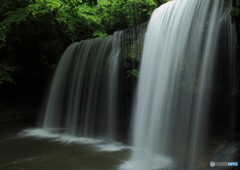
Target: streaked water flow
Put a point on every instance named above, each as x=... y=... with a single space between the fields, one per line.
x=185 y=44
x=181 y=49
x=83 y=94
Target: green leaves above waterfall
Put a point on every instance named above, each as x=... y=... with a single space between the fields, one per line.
x=75 y=19
x=34 y=33
x=235 y=11
x=71 y=19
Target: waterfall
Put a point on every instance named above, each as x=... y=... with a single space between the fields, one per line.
x=91 y=90
x=184 y=42
x=188 y=57
x=83 y=94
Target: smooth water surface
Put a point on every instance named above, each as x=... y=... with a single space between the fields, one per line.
x=34 y=149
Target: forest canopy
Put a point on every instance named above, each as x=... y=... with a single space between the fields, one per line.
x=34 y=33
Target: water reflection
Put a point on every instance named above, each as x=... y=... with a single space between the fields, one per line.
x=26 y=151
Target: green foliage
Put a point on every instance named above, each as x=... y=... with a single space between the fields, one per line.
x=124 y=14
x=132 y=54
x=34 y=33
x=132 y=47
x=133 y=51
x=7 y=72
x=99 y=34
x=235 y=11
x=69 y=17
x=133 y=72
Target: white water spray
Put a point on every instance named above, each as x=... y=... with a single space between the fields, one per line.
x=181 y=49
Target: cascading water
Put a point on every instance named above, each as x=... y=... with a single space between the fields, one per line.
x=112 y=97
x=183 y=42
x=91 y=87
x=83 y=94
